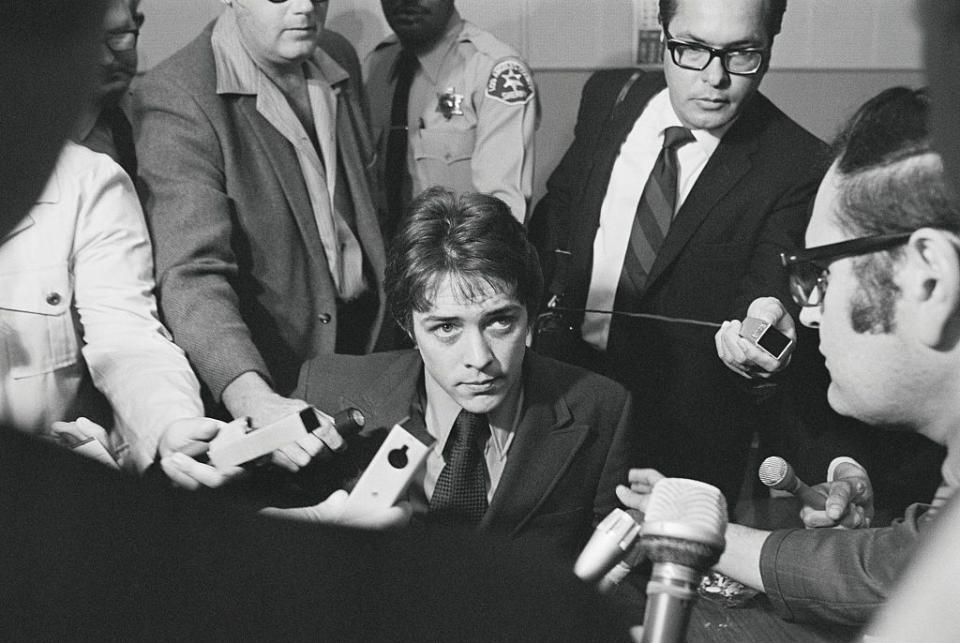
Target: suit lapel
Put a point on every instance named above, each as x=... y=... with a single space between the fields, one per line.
x=353 y=141
x=546 y=442
x=388 y=399
x=283 y=160
x=726 y=167
x=620 y=120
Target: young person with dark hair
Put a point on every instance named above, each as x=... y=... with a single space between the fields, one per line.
x=464 y=282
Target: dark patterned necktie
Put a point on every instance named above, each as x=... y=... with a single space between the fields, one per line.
x=652 y=221
x=460 y=495
x=395 y=162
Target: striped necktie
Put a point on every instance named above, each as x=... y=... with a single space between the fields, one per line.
x=652 y=221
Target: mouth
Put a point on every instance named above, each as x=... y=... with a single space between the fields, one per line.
x=481 y=386
x=409 y=15
x=711 y=103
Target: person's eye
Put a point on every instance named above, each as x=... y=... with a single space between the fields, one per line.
x=503 y=323
x=446 y=329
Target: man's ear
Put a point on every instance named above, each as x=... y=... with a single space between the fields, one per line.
x=931 y=282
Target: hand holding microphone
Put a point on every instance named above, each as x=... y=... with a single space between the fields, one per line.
x=845 y=500
x=776 y=473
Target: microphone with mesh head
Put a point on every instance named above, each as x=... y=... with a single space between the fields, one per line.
x=683 y=535
x=776 y=473
x=612 y=540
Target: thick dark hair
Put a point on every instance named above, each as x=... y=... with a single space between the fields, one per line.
x=890 y=181
x=472 y=238
x=772 y=16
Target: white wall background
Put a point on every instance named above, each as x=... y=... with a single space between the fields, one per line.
x=588 y=34
x=830 y=57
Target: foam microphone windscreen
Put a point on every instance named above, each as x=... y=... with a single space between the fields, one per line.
x=688 y=510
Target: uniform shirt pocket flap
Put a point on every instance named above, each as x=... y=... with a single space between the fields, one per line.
x=449 y=146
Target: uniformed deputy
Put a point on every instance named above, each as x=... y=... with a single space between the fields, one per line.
x=470 y=112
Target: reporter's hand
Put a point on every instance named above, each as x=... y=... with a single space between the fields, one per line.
x=332 y=512
x=641 y=483
x=250 y=396
x=183 y=441
x=744 y=357
x=81 y=429
x=849 y=500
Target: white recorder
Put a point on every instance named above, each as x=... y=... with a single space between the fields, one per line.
x=388 y=475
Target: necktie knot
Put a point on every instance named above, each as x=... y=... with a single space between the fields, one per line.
x=674 y=137
x=467 y=428
x=460 y=494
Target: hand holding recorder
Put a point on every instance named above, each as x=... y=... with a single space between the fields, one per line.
x=761 y=344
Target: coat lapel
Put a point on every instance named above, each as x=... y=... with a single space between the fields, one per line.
x=356 y=150
x=620 y=120
x=546 y=442
x=390 y=396
x=283 y=161
x=728 y=165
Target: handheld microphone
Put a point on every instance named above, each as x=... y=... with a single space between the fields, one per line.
x=776 y=473
x=683 y=535
x=235 y=446
x=348 y=421
x=610 y=542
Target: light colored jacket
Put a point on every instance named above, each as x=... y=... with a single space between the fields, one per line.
x=76 y=302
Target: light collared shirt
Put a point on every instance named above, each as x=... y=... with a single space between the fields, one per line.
x=463 y=131
x=439 y=415
x=76 y=300
x=636 y=159
x=238 y=73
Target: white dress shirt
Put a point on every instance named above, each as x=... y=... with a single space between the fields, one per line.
x=629 y=176
x=76 y=296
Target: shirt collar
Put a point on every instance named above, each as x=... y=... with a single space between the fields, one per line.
x=238 y=72
x=441 y=412
x=432 y=59
x=667 y=117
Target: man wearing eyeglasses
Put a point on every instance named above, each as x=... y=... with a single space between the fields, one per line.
x=880 y=281
x=674 y=200
x=254 y=155
x=104 y=126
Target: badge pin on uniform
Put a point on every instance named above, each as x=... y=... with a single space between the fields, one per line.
x=450 y=103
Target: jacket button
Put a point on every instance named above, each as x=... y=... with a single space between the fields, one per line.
x=324 y=318
x=53 y=298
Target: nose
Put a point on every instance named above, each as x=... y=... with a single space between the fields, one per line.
x=810 y=316
x=477 y=353
x=714 y=74
x=303 y=6
x=107 y=57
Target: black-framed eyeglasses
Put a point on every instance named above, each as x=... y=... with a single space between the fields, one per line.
x=808 y=270
x=118 y=41
x=739 y=61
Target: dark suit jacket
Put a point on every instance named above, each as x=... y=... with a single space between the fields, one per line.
x=242 y=276
x=570 y=451
x=90 y=555
x=750 y=202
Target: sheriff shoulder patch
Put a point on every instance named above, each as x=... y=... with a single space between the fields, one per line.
x=510 y=82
